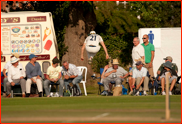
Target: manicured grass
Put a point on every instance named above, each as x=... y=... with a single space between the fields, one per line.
x=91 y=108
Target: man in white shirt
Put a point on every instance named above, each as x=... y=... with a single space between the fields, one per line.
x=6 y=67
x=140 y=76
x=92 y=46
x=71 y=74
x=16 y=74
x=137 y=53
x=54 y=76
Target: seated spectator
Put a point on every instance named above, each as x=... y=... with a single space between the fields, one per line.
x=130 y=78
x=172 y=79
x=174 y=66
x=71 y=74
x=6 y=67
x=140 y=77
x=102 y=75
x=16 y=74
x=54 y=76
x=114 y=73
x=33 y=72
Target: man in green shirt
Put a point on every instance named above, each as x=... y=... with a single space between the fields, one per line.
x=149 y=55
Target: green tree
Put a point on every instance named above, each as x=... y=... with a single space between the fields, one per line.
x=157 y=13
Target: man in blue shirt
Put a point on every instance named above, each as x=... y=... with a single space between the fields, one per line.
x=33 y=72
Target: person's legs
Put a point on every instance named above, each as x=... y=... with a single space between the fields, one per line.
x=8 y=88
x=146 y=82
x=138 y=79
x=23 y=85
x=5 y=80
x=106 y=82
x=173 y=81
x=66 y=83
x=151 y=72
x=46 y=87
x=39 y=84
x=28 y=85
x=162 y=83
x=61 y=84
x=130 y=81
x=76 y=81
x=118 y=81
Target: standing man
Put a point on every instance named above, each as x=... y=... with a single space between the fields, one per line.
x=54 y=76
x=140 y=76
x=71 y=74
x=33 y=72
x=16 y=74
x=92 y=46
x=137 y=53
x=149 y=56
x=114 y=73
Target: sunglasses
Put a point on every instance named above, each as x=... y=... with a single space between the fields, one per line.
x=144 y=38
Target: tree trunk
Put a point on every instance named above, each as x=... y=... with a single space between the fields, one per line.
x=79 y=26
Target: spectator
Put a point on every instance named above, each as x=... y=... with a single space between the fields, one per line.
x=92 y=46
x=6 y=67
x=140 y=77
x=102 y=75
x=54 y=76
x=137 y=53
x=33 y=72
x=71 y=74
x=170 y=59
x=172 y=78
x=16 y=74
x=149 y=56
x=114 y=73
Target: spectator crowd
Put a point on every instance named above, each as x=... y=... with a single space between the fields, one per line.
x=139 y=76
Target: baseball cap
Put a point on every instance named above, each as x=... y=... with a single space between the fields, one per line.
x=138 y=63
x=168 y=58
x=55 y=60
x=32 y=56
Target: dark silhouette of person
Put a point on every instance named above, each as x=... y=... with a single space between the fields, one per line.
x=151 y=37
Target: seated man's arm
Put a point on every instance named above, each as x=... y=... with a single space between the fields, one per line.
x=141 y=81
x=105 y=68
x=108 y=73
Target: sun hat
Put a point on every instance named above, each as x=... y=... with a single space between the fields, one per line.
x=14 y=59
x=15 y=55
x=168 y=64
x=115 y=62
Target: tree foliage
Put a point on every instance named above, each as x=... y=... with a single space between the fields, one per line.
x=113 y=19
x=157 y=13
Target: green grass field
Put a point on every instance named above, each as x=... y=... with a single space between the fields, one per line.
x=91 y=108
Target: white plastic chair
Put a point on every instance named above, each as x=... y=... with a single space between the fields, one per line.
x=82 y=68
